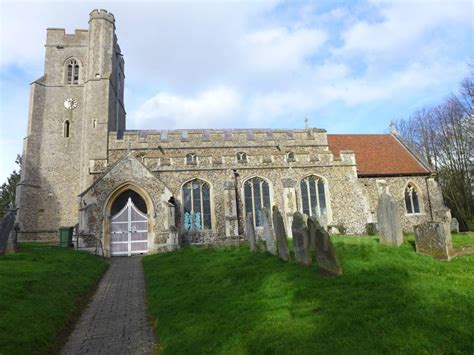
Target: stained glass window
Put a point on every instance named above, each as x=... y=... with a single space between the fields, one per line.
x=256 y=197
x=197 y=205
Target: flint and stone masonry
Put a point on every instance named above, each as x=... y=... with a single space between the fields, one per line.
x=197 y=186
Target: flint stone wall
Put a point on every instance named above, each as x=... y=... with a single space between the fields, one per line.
x=396 y=187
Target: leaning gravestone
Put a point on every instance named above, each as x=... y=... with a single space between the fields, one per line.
x=311 y=224
x=280 y=234
x=433 y=239
x=269 y=233
x=300 y=240
x=326 y=257
x=251 y=233
x=454 y=225
x=322 y=219
x=388 y=221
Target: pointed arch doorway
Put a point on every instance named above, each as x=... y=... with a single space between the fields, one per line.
x=128 y=225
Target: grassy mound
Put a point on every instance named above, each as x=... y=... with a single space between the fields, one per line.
x=40 y=294
x=227 y=300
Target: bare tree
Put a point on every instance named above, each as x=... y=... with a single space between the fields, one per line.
x=444 y=134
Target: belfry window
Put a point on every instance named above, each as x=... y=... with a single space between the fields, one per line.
x=313 y=196
x=411 y=199
x=72 y=72
x=66 y=129
x=257 y=197
x=197 y=205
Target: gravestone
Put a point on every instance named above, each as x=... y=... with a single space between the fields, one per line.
x=280 y=234
x=388 y=221
x=8 y=232
x=322 y=219
x=250 y=233
x=268 y=232
x=300 y=240
x=433 y=239
x=454 y=225
x=311 y=224
x=326 y=258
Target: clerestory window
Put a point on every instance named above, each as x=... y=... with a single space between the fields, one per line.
x=191 y=159
x=242 y=157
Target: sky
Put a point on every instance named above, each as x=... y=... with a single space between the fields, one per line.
x=348 y=66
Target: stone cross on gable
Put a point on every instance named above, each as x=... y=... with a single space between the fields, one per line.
x=306 y=123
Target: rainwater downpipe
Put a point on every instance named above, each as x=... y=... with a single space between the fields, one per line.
x=428 y=195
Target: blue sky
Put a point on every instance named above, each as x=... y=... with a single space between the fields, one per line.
x=349 y=66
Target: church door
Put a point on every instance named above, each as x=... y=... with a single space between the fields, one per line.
x=129 y=231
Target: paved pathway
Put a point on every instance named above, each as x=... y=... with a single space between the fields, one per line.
x=115 y=320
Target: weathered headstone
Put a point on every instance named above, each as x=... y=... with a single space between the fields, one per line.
x=454 y=225
x=433 y=239
x=268 y=232
x=8 y=232
x=388 y=221
x=322 y=219
x=300 y=240
x=280 y=234
x=250 y=233
x=326 y=257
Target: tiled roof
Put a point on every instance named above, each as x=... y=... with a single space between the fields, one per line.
x=377 y=154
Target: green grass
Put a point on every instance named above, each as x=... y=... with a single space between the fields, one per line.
x=463 y=240
x=227 y=300
x=40 y=292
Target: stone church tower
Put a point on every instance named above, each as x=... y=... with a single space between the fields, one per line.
x=73 y=107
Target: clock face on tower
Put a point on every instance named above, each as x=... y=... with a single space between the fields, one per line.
x=70 y=104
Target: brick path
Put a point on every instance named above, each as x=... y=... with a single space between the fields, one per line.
x=115 y=320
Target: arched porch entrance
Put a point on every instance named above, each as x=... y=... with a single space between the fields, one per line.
x=128 y=224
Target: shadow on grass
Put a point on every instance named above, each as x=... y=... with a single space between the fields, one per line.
x=230 y=301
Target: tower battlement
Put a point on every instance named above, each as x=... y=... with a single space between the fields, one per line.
x=59 y=37
x=102 y=14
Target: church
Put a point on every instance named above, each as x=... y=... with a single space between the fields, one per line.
x=147 y=191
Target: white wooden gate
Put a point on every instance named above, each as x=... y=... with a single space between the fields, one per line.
x=129 y=231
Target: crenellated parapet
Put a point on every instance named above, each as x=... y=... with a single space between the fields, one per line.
x=217 y=138
x=58 y=37
x=102 y=14
x=228 y=149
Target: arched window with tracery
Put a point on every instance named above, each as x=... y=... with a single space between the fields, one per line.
x=197 y=205
x=411 y=199
x=313 y=196
x=257 y=197
x=72 y=72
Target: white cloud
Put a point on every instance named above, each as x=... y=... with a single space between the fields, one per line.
x=404 y=26
x=280 y=48
x=205 y=110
